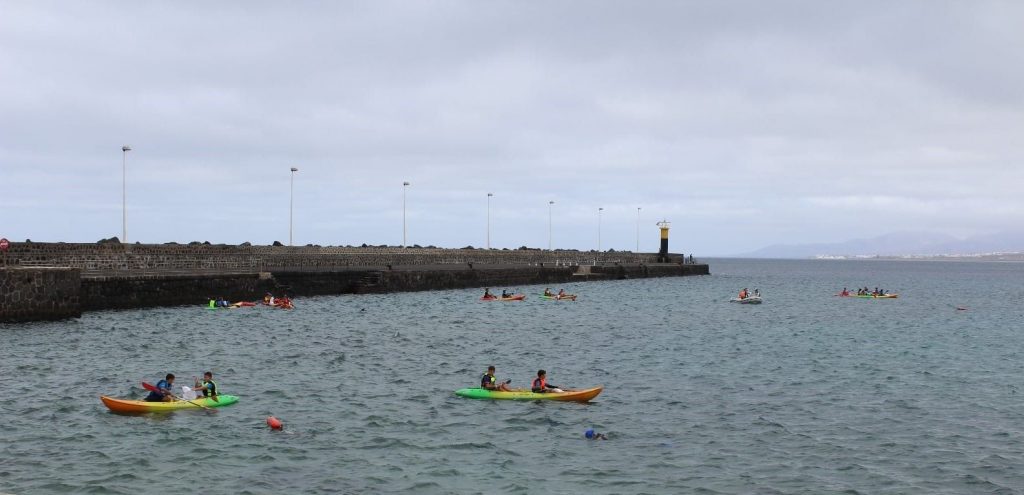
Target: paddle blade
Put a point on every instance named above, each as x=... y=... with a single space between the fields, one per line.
x=149 y=387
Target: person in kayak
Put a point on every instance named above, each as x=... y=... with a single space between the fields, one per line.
x=208 y=387
x=489 y=382
x=561 y=292
x=541 y=385
x=548 y=293
x=743 y=293
x=505 y=294
x=487 y=293
x=164 y=387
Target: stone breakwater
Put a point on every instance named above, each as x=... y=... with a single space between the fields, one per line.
x=58 y=280
x=30 y=294
x=220 y=257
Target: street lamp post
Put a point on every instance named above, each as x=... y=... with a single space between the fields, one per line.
x=291 y=204
x=124 y=192
x=489 y=219
x=550 y=203
x=638 y=229
x=599 y=210
x=404 y=186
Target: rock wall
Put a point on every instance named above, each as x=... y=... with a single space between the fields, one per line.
x=55 y=280
x=32 y=294
x=225 y=258
x=148 y=290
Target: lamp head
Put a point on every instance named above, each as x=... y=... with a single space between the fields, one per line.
x=294 y=169
x=126 y=148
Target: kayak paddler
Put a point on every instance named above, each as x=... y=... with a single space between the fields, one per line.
x=208 y=386
x=164 y=393
x=489 y=382
x=548 y=293
x=487 y=293
x=540 y=384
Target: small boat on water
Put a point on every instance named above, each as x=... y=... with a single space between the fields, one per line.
x=556 y=297
x=871 y=296
x=141 y=406
x=583 y=395
x=747 y=300
x=513 y=297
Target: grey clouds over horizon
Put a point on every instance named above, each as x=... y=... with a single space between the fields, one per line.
x=744 y=123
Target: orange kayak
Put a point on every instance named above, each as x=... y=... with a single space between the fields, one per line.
x=141 y=406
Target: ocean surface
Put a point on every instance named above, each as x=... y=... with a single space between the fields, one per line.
x=806 y=393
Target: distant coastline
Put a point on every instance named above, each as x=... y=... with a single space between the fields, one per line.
x=986 y=257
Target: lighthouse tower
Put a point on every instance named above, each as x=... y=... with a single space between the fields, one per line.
x=663 y=252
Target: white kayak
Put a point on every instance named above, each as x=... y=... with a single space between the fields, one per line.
x=748 y=300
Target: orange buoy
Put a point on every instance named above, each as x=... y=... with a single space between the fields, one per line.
x=274 y=423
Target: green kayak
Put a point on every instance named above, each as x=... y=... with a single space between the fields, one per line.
x=569 y=395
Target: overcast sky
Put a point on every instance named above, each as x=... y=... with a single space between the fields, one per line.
x=743 y=123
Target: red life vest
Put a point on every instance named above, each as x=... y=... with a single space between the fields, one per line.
x=540 y=383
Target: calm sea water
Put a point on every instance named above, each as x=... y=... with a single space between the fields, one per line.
x=806 y=393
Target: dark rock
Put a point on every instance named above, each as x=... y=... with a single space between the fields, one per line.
x=277 y=243
x=246 y=244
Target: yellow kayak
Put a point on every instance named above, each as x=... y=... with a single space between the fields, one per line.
x=141 y=406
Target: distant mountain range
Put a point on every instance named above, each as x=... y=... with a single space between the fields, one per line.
x=899 y=244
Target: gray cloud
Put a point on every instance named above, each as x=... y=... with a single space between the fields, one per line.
x=745 y=123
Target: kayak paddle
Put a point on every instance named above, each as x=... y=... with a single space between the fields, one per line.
x=152 y=388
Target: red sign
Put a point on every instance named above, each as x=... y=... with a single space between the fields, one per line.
x=4 y=244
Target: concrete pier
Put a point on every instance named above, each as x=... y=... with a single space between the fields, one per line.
x=58 y=280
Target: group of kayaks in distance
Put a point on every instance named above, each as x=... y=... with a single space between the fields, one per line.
x=507 y=296
x=284 y=302
x=747 y=297
x=868 y=293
